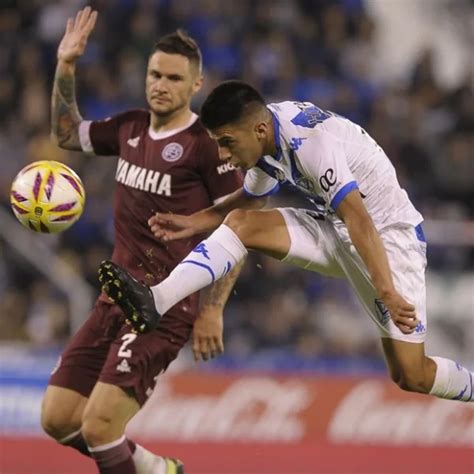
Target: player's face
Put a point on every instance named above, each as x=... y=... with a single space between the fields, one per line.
x=242 y=144
x=171 y=81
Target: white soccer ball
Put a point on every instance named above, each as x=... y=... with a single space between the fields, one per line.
x=47 y=196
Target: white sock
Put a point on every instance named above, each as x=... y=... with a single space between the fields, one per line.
x=452 y=381
x=210 y=260
x=148 y=463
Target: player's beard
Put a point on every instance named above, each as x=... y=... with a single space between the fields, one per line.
x=167 y=110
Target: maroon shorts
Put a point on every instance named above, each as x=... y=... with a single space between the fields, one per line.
x=104 y=349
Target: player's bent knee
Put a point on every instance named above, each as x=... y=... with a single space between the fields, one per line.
x=61 y=412
x=412 y=382
x=96 y=429
x=56 y=422
x=242 y=222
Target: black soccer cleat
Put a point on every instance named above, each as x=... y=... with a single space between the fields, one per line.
x=134 y=298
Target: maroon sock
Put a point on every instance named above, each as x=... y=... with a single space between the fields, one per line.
x=78 y=442
x=114 y=458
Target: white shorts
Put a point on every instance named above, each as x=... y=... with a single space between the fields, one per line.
x=317 y=245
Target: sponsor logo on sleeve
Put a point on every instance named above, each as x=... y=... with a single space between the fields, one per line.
x=172 y=152
x=327 y=180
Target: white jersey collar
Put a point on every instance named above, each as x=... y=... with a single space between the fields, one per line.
x=169 y=133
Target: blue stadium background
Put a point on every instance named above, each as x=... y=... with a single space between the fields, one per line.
x=410 y=87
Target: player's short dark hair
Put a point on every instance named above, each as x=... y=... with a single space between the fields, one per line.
x=179 y=42
x=229 y=103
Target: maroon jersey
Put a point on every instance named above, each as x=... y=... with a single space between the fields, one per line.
x=178 y=173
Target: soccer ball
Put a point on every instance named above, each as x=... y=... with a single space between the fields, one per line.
x=47 y=196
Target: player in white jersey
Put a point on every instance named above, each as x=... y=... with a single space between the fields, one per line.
x=364 y=227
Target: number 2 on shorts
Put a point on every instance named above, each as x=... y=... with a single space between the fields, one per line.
x=127 y=339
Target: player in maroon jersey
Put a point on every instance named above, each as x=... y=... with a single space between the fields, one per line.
x=167 y=163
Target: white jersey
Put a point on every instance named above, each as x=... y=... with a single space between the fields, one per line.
x=326 y=156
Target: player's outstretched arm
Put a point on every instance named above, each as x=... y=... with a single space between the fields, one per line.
x=368 y=243
x=65 y=117
x=168 y=227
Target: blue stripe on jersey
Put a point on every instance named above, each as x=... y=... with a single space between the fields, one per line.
x=203 y=265
x=342 y=193
x=275 y=189
x=295 y=172
x=269 y=169
x=276 y=131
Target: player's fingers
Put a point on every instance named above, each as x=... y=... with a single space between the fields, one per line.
x=69 y=25
x=405 y=329
x=196 y=349
x=152 y=221
x=202 y=348
x=161 y=222
x=159 y=229
x=213 y=349
x=205 y=354
x=154 y=227
x=77 y=20
x=160 y=218
x=84 y=17
x=219 y=344
x=176 y=235
x=171 y=220
x=91 y=22
x=406 y=322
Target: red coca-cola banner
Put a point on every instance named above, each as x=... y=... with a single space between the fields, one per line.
x=262 y=408
x=244 y=424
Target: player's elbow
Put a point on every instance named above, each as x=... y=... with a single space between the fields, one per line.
x=66 y=137
x=260 y=203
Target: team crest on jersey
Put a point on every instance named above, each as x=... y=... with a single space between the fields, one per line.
x=172 y=152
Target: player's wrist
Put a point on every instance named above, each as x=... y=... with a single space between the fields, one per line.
x=387 y=293
x=206 y=220
x=66 y=65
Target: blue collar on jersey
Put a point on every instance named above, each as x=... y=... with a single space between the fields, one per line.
x=276 y=131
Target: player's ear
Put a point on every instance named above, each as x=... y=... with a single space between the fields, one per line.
x=261 y=129
x=197 y=84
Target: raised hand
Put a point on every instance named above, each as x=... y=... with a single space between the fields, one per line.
x=402 y=313
x=208 y=334
x=166 y=227
x=75 y=38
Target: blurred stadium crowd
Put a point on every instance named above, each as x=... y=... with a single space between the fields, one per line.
x=316 y=50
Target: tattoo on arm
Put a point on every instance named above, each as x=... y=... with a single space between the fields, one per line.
x=219 y=292
x=65 y=117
